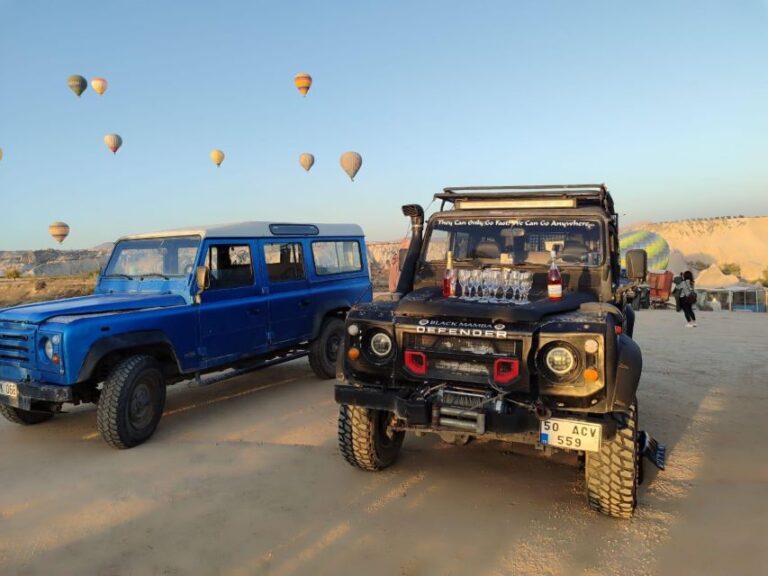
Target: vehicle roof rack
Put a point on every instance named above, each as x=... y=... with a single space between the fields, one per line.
x=582 y=194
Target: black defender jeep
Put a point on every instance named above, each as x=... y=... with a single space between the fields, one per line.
x=466 y=354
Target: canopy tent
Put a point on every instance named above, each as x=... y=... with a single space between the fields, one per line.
x=718 y=291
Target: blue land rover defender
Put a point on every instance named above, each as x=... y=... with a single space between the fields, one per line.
x=174 y=305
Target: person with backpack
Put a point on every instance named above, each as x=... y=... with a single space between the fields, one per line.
x=687 y=295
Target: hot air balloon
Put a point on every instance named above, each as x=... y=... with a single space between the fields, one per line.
x=99 y=85
x=656 y=247
x=59 y=231
x=306 y=160
x=77 y=84
x=113 y=142
x=303 y=82
x=350 y=163
x=1 y=153
x=217 y=156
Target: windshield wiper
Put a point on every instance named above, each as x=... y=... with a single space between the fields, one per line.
x=153 y=274
x=119 y=276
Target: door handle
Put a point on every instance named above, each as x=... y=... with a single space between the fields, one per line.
x=304 y=302
x=254 y=311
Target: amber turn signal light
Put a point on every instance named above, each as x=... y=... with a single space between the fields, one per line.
x=353 y=353
x=591 y=375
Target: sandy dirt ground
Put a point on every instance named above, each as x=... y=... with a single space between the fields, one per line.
x=244 y=477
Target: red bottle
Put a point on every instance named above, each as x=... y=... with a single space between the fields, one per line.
x=554 y=281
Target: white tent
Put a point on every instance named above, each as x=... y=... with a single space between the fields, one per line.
x=718 y=291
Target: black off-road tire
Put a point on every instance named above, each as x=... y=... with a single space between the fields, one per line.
x=612 y=474
x=131 y=402
x=365 y=439
x=325 y=348
x=23 y=417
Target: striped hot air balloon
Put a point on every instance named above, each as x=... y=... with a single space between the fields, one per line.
x=113 y=142
x=303 y=81
x=306 y=160
x=77 y=84
x=59 y=231
x=217 y=156
x=656 y=247
x=99 y=85
x=350 y=163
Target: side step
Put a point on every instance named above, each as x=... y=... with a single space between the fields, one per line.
x=234 y=372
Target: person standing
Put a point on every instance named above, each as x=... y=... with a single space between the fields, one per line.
x=688 y=298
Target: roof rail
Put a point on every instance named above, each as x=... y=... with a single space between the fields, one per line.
x=587 y=193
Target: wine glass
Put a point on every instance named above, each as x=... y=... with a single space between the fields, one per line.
x=504 y=282
x=526 y=282
x=464 y=274
x=474 y=283
x=493 y=285
x=515 y=285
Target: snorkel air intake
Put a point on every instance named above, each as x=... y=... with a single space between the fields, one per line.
x=416 y=214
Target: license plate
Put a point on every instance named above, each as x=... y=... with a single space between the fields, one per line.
x=572 y=434
x=9 y=389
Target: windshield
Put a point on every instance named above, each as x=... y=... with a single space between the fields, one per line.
x=161 y=257
x=515 y=241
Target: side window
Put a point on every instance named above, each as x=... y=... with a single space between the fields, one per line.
x=438 y=246
x=336 y=257
x=285 y=261
x=230 y=265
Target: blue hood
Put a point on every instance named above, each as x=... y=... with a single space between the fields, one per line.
x=96 y=304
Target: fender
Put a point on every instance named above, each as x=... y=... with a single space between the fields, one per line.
x=125 y=341
x=321 y=313
x=628 y=369
x=629 y=319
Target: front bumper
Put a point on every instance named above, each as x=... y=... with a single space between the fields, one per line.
x=419 y=412
x=34 y=393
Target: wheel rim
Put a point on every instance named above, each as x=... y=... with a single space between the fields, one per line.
x=332 y=345
x=141 y=409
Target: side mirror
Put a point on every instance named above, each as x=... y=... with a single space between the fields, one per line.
x=637 y=264
x=401 y=255
x=203 y=277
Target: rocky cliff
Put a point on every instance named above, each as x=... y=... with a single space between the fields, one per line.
x=53 y=262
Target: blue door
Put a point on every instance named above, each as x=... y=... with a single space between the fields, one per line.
x=290 y=302
x=233 y=311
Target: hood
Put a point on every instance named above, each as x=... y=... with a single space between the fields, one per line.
x=430 y=303
x=85 y=305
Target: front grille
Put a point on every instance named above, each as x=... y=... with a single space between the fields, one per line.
x=462 y=359
x=461 y=345
x=16 y=347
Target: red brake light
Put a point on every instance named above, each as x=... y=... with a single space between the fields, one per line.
x=504 y=370
x=416 y=362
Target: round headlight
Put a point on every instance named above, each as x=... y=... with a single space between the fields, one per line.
x=591 y=346
x=560 y=360
x=381 y=344
x=48 y=348
x=353 y=329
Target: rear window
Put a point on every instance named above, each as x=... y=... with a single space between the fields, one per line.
x=337 y=257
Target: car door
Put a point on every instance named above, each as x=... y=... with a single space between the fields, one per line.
x=290 y=304
x=233 y=310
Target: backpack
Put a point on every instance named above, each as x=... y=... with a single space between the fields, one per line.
x=691 y=298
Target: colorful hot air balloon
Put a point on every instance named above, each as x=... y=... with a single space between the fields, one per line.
x=59 y=231
x=113 y=142
x=1 y=153
x=217 y=156
x=350 y=163
x=656 y=247
x=306 y=160
x=77 y=84
x=303 y=82
x=99 y=85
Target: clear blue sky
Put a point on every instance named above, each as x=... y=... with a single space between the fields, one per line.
x=667 y=102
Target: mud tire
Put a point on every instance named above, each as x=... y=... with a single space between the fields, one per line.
x=131 y=402
x=365 y=440
x=612 y=475
x=324 y=350
x=24 y=417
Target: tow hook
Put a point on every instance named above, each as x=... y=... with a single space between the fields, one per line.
x=542 y=411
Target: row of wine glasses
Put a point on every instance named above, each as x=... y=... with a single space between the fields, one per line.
x=494 y=285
